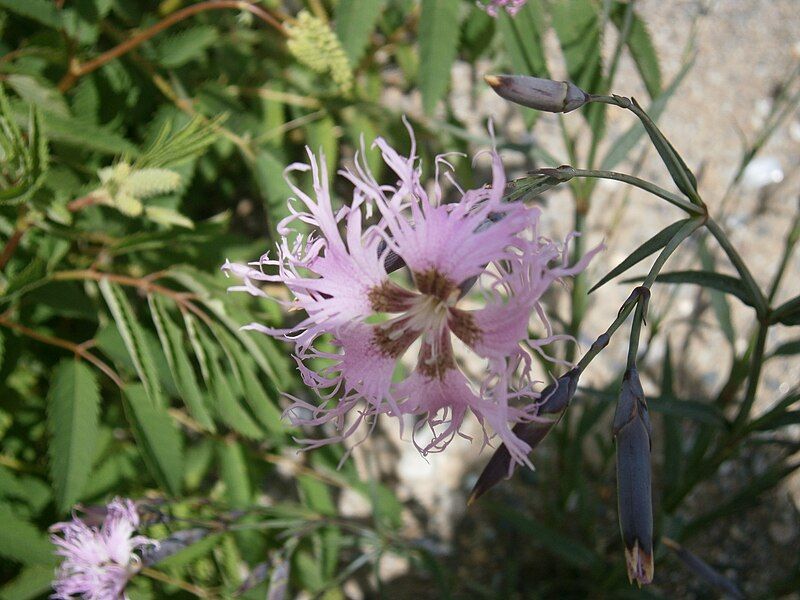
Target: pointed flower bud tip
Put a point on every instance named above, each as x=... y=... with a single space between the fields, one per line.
x=541 y=94
x=554 y=400
x=640 y=564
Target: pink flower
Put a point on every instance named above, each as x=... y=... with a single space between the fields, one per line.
x=98 y=562
x=512 y=7
x=338 y=277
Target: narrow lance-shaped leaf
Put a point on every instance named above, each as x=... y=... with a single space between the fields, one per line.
x=224 y=390
x=673 y=436
x=786 y=349
x=655 y=243
x=787 y=313
x=680 y=173
x=72 y=410
x=262 y=404
x=133 y=336
x=640 y=45
x=438 y=42
x=718 y=281
x=621 y=147
x=179 y=363
x=157 y=438
x=719 y=302
x=704 y=570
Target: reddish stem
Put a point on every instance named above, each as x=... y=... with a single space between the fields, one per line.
x=77 y=70
x=11 y=246
x=78 y=349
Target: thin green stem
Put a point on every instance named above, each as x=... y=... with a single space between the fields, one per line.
x=579 y=286
x=673 y=199
x=738 y=263
x=788 y=249
x=602 y=341
x=753 y=376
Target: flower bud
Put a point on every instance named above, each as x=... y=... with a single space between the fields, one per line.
x=541 y=94
x=555 y=399
x=632 y=433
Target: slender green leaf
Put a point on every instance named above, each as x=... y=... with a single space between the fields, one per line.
x=640 y=45
x=21 y=541
x=227 y=405
x=621 y=147
x=73 y=403
x=785 y=419
x=717 y=281
x=179 y=363
x=787 y=349
x=355 y=20
x=692 y=410
x=570 y=550
x=438 y=42
x=262 y=404
x=787 y=313
x=134 y=338
x=719 y=301
x=268 y=174
x=744 y=498
x=173 y=149
x=673 y=438
x=652 y=245
x=157 y=438
x=680 y=173
x=778 y=415
x=233 y=471
x=32 y=582
x=225 y=391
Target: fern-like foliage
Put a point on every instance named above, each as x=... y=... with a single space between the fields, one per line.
x=172 y=149
x=23 y=158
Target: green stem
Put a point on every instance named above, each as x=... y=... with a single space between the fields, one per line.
x=602 y=341
x=788 y=249
x=647 y=186
x=579 y=286
x=741 y=268
x=753 y=377
x=676 y=240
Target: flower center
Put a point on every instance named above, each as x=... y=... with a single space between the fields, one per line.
x=430 y=314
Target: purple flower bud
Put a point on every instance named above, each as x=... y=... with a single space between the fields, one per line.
x=632 y=433
x=555 y=399
x=541 y=94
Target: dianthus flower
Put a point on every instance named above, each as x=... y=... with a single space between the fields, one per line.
x=338 y=275
x=98 y=561
x=512 y=7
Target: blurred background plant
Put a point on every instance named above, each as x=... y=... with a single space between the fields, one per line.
x=144 y=143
